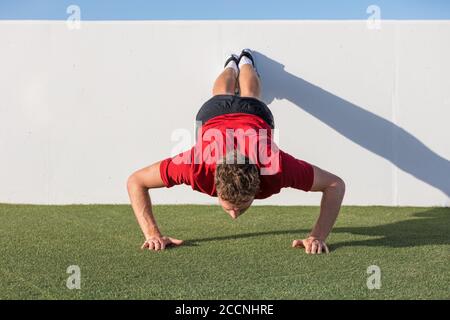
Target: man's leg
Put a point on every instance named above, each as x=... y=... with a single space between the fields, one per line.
x=249 y=82
x=226 y=81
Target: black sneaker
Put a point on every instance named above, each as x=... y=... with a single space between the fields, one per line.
x=248 y=53
x=232 y=57
x=235 y=58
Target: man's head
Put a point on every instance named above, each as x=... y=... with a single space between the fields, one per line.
x=236 y=184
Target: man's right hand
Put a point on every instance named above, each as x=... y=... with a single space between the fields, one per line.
x=160 y=243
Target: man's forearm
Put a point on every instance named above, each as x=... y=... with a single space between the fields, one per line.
x=329 y=209
x=138 y=185
x=142 y=207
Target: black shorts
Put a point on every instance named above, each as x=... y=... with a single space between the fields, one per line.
x=226 y=103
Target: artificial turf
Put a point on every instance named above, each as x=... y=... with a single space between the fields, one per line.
x=249 y=258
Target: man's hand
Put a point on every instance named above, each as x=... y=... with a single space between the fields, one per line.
x=160 y=243
x=312 y=245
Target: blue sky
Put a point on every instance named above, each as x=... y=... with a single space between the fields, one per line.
x=223 y=9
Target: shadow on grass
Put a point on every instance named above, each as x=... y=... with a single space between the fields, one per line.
x=429 y=227
x=247 y=235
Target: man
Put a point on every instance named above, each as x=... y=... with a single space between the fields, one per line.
x=236 y=160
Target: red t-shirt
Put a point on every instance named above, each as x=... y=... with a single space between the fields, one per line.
x=252 y=136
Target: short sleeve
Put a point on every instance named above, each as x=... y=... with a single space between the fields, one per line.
x=176 y=170
x=296 y=173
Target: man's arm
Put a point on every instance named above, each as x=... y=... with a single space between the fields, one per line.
x=138 y=185
x=333 y=189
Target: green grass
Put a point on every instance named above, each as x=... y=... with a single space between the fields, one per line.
x=249 y=258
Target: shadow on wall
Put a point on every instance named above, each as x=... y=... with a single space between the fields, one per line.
x=365 y=128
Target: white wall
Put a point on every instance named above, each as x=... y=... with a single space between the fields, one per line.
x=81 y=109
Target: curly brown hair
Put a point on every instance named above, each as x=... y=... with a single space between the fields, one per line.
x=236 y=182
